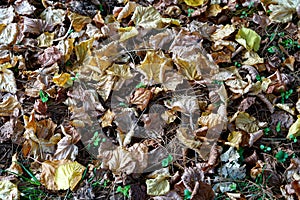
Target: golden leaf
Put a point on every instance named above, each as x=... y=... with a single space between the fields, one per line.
x=107 y=118
x=63 y=80
x=245 y=122
x=68 y=175
x=127 y=10
x=294 y=130
x=78 y=21
x=235 y=138
x=45 y=39
x=194 y=2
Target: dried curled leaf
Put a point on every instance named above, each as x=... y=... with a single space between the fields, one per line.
x=127 y=10
x=78 y=21
x=8 y=105
x=294 y=130
x=8 y=33
x=141 y=98
x=7 y=15
x=245 y=122
x=6 y=131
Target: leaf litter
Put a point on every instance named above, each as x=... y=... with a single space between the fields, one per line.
x=160 y=99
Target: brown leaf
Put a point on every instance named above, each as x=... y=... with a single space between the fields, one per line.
x=8 y=105
x=49 y=56
x=246 y=103
x=78 y=21
x=6 y=131
x=24 y=7
x=141 y=98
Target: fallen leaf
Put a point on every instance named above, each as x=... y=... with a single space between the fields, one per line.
x=245 y=122
x=248 y=38
x=63 y=80
x=223 y=32
x=24 y=8
x=141 y=98
x=194 y=3
x=15 y=167
x=68 y=175
x=235 y=138
x=7 y=15
x=78 y=21
x=8 y=190
x=158 y=186
x=252 y=58
x=49 y=56
x=283 y=10
x=294 y=130
x=8 y=33
x=53 y=16
x=45 y=39
x=7 y=79
x=107 y=118
x=8 y=106
x=127 y=10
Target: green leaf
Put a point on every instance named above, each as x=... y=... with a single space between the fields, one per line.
x=43 y=96
x=140 y=85
x=278 y=127
x=165 y=162
x=248 y=38
x=124 y=191
x=187 y=194
x=281 y=156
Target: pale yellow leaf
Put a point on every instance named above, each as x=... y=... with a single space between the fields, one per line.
x=78 y=21
x=252 y=58
x=68 y=175
x=248 y=38
x=283 y=11
x=45 y=39
x=194 y=2
x=9 y=33
x=245 y=122
x=223 y=32
x=8 y=105
x=158 y=186
x=7 y=79
x=8 y=190
x=294 y=129
x=235 y=138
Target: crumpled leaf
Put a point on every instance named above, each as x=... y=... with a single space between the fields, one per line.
x=141 y=98
x=8 y=33
x=45 y=39
x=153 y=67
x=120 y=160
x=66 y=47
x=7 y=15
x=6 y=131
x=194 y=2
x=48 y=173
x=245 y=122
x=68 y=175
x=235 y=138
x=294 y=130
x=49 y=56
x=239 y=86
x=186 y=104
x=149 y=17
x=8 y=190
x=107 y=118
x=24 y=7
x=248 y=38
x=15 y=167
x=78 y=21
x=53 y=16
x=7 y=79
x=283 y=11
x=223 y=32
x=158 y=186
x=66 y=148
x=8 y=105
x=63 y=80
x=127 y=10
x=252 y=58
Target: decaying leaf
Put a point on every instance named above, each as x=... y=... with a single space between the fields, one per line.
x=78 y=21
x=45 y=39
x=194 y=2
x=15 y=167
x=68 y=175
x=8 y=33
x=7 y=79
x=8 y=105
x=248 y=38
x=127 y=10
x=66 y=148
x=283 y=10
x=107 y=118
x=223 y=32
x=7 y=15
x=63 y=80
x=120 y=160
x=159 y=185
x=8 y=190
x=245 y=122
x=6 y=131
x=141 y=98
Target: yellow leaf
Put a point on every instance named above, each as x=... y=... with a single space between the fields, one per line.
x=214 y=10
x=194 y=2
x=235 y=138
x=7 y=79
x=294 y=129
x=248 y=38
x=83 y=49
x=223 y=32
x=252 y=58
x=107 y=118
x=78 y=21
x=63 y=80
x=68 y=175
x=8 y=190
x=245 y=122
x=128 y=32
x=158 y=186
x=45 y=39
x=154 y=66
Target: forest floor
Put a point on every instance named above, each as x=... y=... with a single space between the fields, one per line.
x=156 y=99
